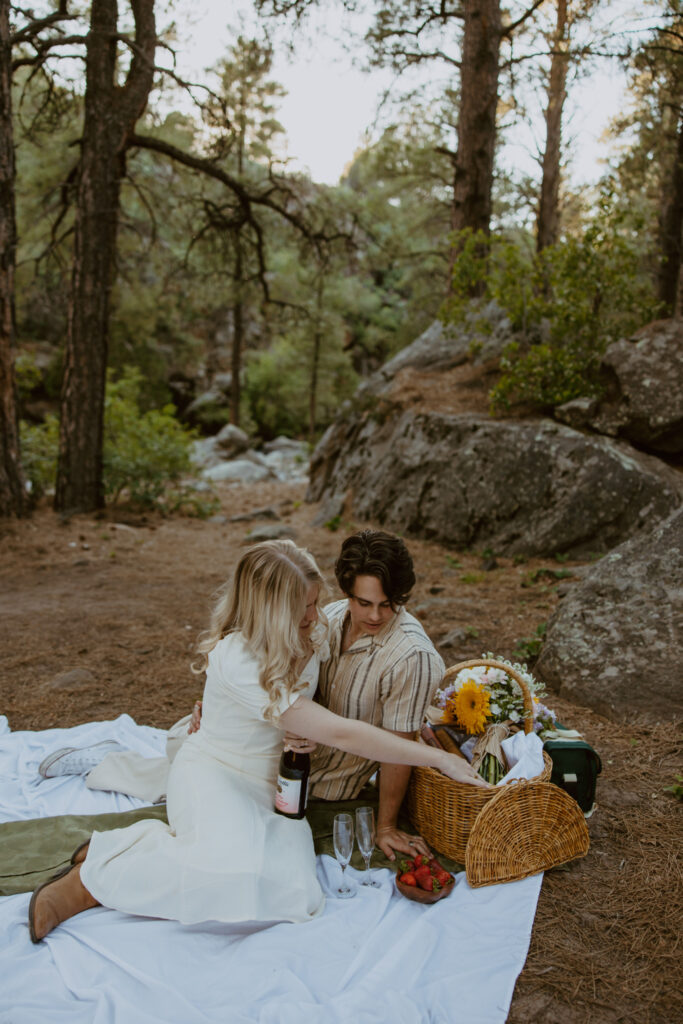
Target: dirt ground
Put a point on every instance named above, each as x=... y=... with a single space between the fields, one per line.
x=99 y=616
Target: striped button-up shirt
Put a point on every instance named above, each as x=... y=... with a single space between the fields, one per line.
x=387 y=680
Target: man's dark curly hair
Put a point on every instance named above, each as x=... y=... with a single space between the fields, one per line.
x=379 y=554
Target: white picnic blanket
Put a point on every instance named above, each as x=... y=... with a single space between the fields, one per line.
x=374 y=959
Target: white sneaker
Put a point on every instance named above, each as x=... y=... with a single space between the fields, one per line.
x=76 y=760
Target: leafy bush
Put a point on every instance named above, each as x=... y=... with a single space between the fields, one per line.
x=26 y=374
x=276 y=389
x=676 y=789
x=39 y=447
x=144 y=454
x=568 y=303
x=528 y=648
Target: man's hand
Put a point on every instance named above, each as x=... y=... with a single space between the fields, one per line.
x=393 y=783
x=392 y=840
x=299 y=744
x=196 y=719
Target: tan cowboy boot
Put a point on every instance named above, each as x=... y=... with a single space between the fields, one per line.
x=56 y=900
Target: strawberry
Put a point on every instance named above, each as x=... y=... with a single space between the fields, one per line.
x=428 y=882
x=408 y=878
x=443 y=877
x=405 y=865
x=422 y=872
x=421 y=860
x=435 y=866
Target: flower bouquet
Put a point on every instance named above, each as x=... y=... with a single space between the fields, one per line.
x=487 y=704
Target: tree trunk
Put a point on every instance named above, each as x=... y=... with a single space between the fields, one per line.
x=12 y=492
x=548 y=220
x=671 y=228
x=315 y=361
x=237 y=335
x=111 y=112
x=473 y=178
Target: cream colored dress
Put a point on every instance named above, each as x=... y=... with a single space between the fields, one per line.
x=225 y=855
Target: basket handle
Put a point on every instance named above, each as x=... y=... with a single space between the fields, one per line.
x=490 y=663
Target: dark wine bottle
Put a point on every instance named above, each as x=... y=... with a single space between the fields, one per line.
x=292 y=784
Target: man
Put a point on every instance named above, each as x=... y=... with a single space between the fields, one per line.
x=383 y=669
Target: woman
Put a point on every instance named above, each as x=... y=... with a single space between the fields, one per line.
x=225 y=854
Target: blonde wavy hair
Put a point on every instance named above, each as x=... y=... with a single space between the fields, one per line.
x=265 y=601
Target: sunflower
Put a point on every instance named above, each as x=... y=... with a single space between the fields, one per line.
x=471 y=706
x=448 y=713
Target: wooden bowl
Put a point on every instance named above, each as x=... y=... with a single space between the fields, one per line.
x=418 y=895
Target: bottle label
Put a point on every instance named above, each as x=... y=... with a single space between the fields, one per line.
x=288 y=795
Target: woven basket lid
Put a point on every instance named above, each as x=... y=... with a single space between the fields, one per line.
x=526 y=828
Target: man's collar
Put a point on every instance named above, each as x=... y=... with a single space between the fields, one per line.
x=366 y=641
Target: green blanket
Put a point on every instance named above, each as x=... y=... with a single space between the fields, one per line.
x=32 y=851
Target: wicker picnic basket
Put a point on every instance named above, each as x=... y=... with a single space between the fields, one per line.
x=528 y=826
x=445 y=812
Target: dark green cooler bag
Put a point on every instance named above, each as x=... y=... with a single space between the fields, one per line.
x=576 y=767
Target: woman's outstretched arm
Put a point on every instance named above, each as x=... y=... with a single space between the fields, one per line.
x=306 y=718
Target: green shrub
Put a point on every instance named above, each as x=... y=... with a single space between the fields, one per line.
x=144 y=454
x=567 y=303
x=39 y=447
x=528 y=648
x=276 y=387
x=676 y=789
x=26 y=374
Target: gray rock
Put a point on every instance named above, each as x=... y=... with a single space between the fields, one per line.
x=256 y=457
x=286 y=444
x=578 y=413
x=206 y=398
x=222 y=382
x=482 y=337
x=643 y=398
x=230 y=441
x=424 y=608
x=193 y=483
x=615 y=641
x=257 y=513
x=530 y=487
x=244 y=471
x=290 y=465
x=209 y=410
x=204 y=452
x=276 y=531
x=72 y=680
x=456 y=638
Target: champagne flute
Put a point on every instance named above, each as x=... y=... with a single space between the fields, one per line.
x=365 y=834
x=343 y=847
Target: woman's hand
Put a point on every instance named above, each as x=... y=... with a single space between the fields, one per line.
x=299 y=744
x=460 y=770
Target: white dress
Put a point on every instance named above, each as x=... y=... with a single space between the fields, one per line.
x=225 y=854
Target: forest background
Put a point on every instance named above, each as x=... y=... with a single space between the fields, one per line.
x=153 y=239
x=153 y=243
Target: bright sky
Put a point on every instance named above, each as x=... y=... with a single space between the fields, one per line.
x=331 y=104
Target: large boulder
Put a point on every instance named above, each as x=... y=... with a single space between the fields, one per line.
x=482 y=337
x=211 y=409
x=239 y=471
x=231 y=441
x=615 y=641
x=643 y=391
x=530 y=487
